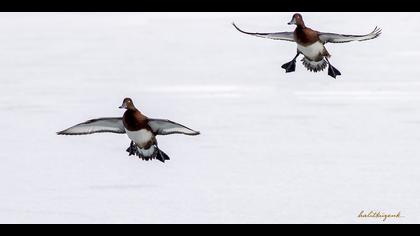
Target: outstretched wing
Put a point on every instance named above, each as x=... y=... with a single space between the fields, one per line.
x=287 y=36
x=165 y=127
x=344 y=38
x=102 y=125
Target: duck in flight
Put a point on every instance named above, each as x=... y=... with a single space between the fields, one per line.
x=141 y=130
x=311 y=44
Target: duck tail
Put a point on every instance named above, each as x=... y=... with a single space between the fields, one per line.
x=147 y=154
x=153 y=152
x=314 y=66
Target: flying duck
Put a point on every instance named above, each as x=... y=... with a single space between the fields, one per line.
x=311 y=44
x=141 y=130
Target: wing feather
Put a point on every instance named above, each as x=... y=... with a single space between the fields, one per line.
x=287 y=36
x=165 y=127
x=102 y=125
x=345 y=38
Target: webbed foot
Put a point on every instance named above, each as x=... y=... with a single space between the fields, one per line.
x=132 y=149
x=290 y=66
x=333 y=72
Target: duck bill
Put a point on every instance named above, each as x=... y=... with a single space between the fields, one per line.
x=123 y=106
x=292 y=22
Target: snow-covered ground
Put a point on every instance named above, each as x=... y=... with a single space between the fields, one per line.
x=274 y=148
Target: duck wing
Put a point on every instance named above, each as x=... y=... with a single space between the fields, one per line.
x=165 y=127
x=102 y=125
x=345 y=38
x=287 y=36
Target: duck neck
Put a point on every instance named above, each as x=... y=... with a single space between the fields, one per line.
x=300 y=26
x=134 y=114
x=130 y=112
x=131 y=107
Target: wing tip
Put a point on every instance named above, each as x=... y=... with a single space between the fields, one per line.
x=237 y=28
x=242 y=31
x=60 y=132
x=377 y=31
x=64 y=133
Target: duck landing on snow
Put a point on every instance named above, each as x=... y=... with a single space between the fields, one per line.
x=311 y=44
x=141 y=130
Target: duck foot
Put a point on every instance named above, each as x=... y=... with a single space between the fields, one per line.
x=333 y=72
x=161 y=156
x=290 y=66
x=132 y=149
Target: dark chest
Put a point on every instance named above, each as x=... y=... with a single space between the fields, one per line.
x=134 y=120
x=305 y=36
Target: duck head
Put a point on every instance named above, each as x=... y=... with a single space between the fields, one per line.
x=297 y=19
x=128 y=104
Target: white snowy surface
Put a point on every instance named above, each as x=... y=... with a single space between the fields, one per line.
x=274 y=147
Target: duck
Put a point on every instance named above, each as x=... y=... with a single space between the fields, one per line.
x=311 y=44
x=140 y=129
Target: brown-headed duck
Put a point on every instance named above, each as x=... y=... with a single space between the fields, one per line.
x=141 y=130
x=311 y=43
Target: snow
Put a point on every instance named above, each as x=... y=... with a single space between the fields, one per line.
x=274 y=147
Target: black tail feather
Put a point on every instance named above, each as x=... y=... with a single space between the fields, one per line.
x=158 y=154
